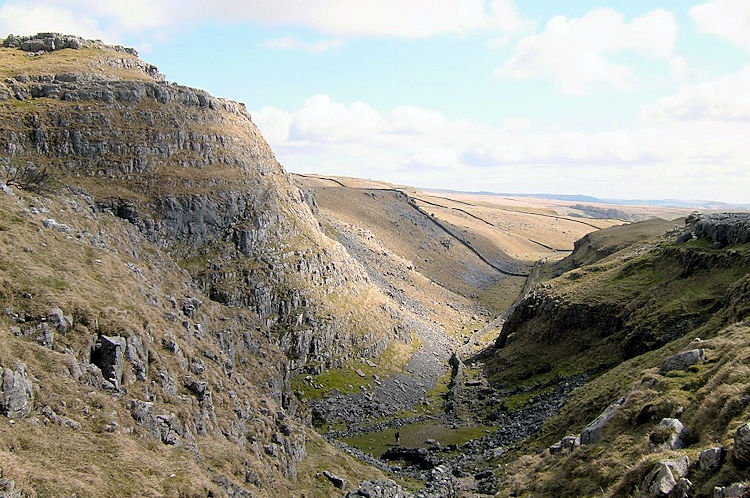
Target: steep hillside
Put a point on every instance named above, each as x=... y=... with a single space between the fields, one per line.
x=614 y=323
x=162 y=282
x=193 y=173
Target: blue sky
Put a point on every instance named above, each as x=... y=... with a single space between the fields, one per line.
x=628 y=99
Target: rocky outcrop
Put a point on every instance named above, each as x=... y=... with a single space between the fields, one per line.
x=721 y=228
x=16 y=395
x=108 y=356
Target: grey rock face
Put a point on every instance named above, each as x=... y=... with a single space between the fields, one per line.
x=710 y=459
x=663 y=478
x=684 y=360
x=16 y=395
x=722 y=228
x=742 y=444
x=137 y=354
x=165 y=427
x=592 y=433
x=108 y=356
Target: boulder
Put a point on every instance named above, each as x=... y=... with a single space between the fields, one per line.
x=592 y=433
x=57 y=319
x=338 y=482
x=671 y=433
x=16 y=395
x=108 y=356
x=684 y=360
x=742 y=444
x=663 y=478
x=710 y=459
x=683 y=489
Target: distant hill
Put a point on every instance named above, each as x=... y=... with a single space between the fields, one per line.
x=675 y=203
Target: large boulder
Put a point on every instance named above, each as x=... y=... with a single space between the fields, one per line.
x=592 y=433
x=684 y=360
x=742 y=444
x=16 y=395
x=663 y=478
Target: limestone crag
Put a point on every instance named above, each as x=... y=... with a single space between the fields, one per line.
x=193 y=173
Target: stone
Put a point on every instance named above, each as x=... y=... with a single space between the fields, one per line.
x=16 y=394
x=662 y=479
x=338 y=482
x=379 y=489
x=592 y=433
x=683 y=489
x=742 y=444
x=671 y=433
x=684 y=237
x=684 y=360
x=360 y=373
x=710 y=459
x=137 y=355
x=108 y=356
x=736 y=490
x=57 y=319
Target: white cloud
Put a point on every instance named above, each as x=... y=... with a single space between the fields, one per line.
x=26 y=19
x=665 y=155
x=724 y=99
x=576 y=52
x=294 y=43
x=379 y=18
x=728 y=19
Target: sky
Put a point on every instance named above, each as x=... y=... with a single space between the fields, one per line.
x=628 y=99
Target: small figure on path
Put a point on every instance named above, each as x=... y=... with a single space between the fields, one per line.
x=398 y=437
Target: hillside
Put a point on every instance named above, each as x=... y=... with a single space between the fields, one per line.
x=158 y=221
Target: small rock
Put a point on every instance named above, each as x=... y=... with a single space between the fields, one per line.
x=592 y=433
x=338 y=482
x=360 y=373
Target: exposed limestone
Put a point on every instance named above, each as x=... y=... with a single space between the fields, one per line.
x=593 y=432
x=710 y=459
x=16 y=395
x=742 y=444
x=108 y=356
x=663 y=478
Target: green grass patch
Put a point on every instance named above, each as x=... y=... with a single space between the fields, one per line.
x=415 y=436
